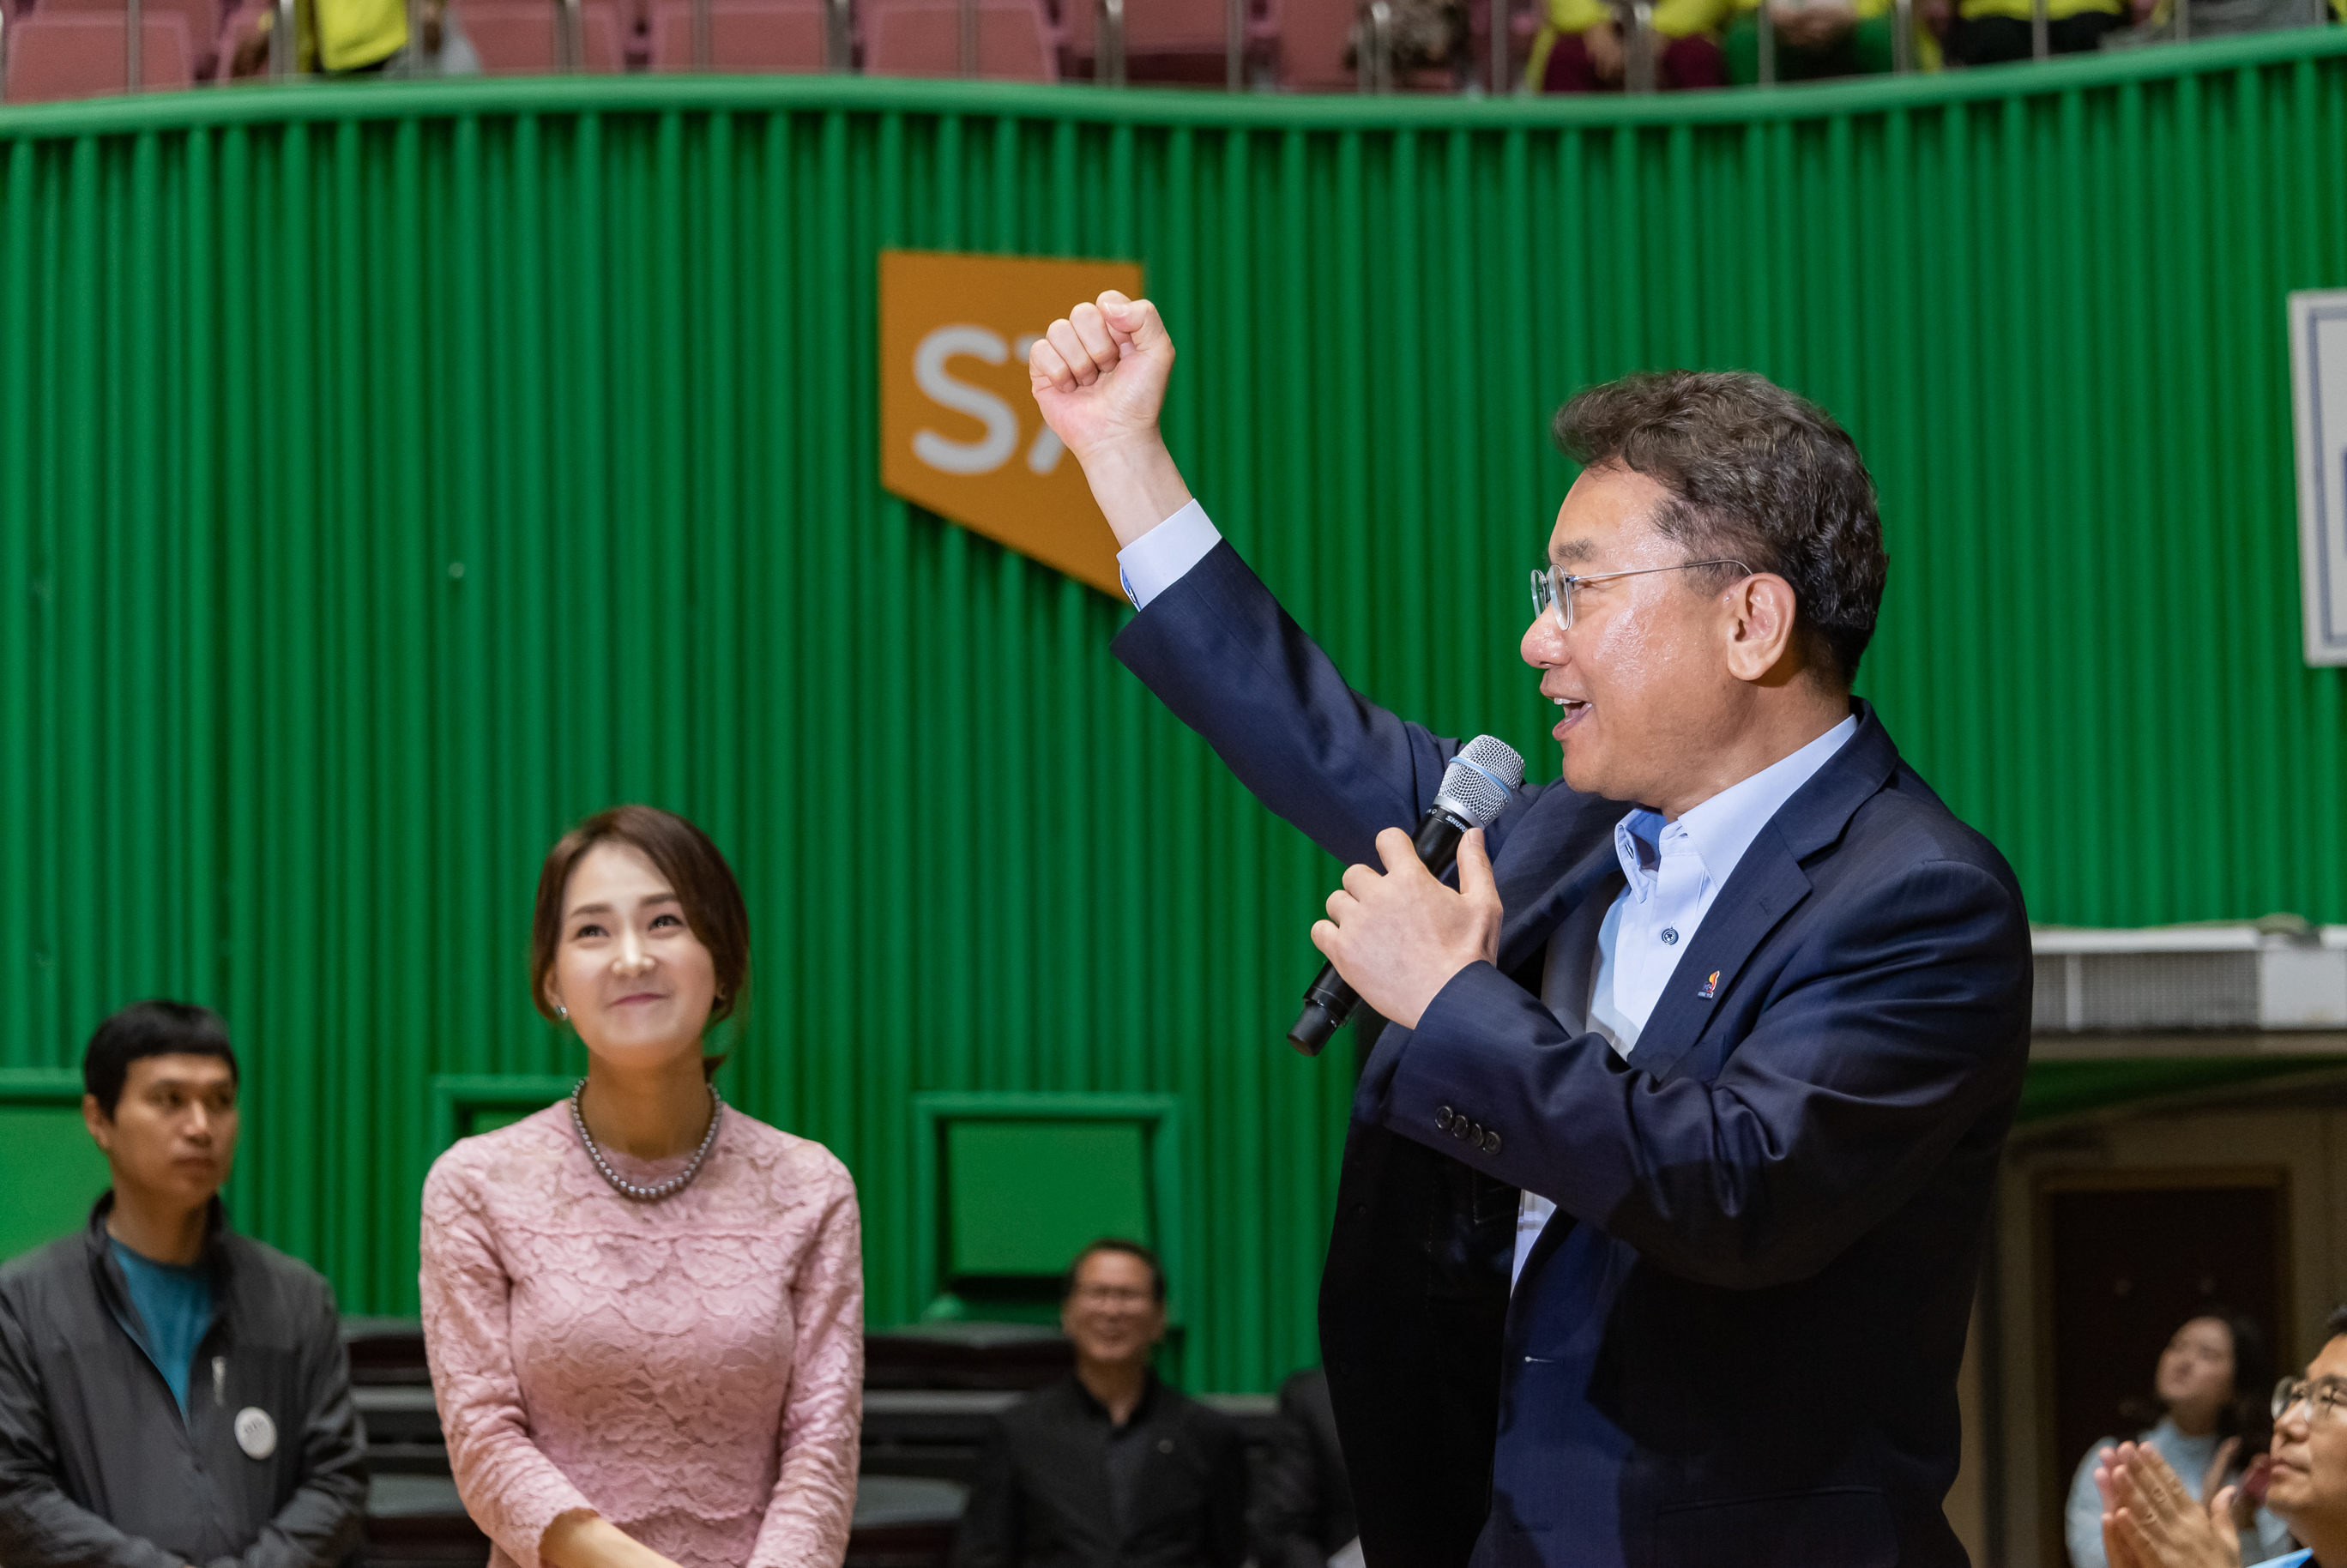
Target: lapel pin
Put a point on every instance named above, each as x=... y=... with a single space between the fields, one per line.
x=1710 y=987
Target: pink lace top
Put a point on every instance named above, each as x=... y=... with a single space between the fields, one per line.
x=691 y=1369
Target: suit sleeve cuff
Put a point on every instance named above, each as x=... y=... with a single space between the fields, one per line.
x=1158 y=559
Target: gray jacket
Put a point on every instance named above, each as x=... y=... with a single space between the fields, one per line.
x=100 y=1470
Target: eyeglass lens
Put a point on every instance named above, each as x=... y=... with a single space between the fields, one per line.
x=2324 y=1399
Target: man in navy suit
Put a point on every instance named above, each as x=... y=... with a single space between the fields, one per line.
x=1659 y=1222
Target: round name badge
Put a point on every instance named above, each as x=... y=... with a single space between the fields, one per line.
x=256 y=1434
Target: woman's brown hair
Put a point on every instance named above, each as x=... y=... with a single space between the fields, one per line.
x=680 y=853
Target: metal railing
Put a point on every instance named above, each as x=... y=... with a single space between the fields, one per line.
x=1373 y=56
x=1374 y=65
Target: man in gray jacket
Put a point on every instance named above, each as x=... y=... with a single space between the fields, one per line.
x=172 y=1395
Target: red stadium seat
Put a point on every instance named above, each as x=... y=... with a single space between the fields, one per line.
x=743 y=36
x=1162 y=31
x=1312 y=35
x=203 y=17
x=923 y=38
x=66 y=53
x=518 y=37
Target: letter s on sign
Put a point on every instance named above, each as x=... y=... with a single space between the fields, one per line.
x=929 y=375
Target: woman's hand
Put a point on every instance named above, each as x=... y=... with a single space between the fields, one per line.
x=2212 y=1479
x=582 y=1540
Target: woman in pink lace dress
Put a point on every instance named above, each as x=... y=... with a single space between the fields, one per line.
x=645 y=1310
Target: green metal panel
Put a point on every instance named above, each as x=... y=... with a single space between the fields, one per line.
x=394 y=474
x=1023 y=1197
x=48 y=1166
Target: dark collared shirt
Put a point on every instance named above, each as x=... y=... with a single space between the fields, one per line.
x=1062 y=1486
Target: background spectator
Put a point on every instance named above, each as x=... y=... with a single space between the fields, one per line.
x=172 y=1393
x=1581 y=50
x=2211 y=1385
x=2152 y=1522
x=1990 y=32
x=1110 y=1468
x=1304 y=1504
x=1822 y=38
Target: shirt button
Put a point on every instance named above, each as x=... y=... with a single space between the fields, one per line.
x=1670 y=937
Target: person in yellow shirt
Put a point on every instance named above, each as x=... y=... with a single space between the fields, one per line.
x=1818 y=38
x=1990 y=32
x=1581 y=48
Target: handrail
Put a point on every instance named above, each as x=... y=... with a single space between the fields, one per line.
x=1373 y=58
x=968 y=38
x=1638 y=62
x=838 y=37
x=321 y=103
x=1108 y=49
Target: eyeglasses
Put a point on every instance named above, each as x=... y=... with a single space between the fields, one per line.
x=2324 y=1399
x=1552 y=587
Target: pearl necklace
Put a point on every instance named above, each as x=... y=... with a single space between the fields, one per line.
x=629 y=1190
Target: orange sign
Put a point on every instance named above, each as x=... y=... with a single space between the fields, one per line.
x=960 y=431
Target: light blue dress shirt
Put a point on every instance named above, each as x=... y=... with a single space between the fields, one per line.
x=1674 y=870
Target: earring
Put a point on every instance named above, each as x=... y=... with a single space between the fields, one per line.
x=562 y=1012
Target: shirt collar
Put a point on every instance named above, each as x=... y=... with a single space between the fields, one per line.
x=1723 y=827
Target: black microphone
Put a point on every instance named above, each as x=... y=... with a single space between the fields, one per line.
x=1475 y=790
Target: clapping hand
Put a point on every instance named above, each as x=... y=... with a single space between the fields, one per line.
x=2150 y=1520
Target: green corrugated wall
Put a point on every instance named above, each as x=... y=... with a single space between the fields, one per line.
x=391 y=474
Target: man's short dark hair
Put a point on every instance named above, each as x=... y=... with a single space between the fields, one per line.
x=149 y=1028
x=1755 y=472
x=2336 y=1325
x=1130 y=1249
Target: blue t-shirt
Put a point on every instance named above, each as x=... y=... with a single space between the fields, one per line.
x=2295 y=1560
x=175 y=1307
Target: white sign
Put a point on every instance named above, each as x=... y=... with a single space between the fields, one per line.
x=2317 y=379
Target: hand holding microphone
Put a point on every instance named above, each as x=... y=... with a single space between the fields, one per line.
x=1395 y=938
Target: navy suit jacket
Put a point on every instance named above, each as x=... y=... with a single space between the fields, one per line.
x=1738 y=1340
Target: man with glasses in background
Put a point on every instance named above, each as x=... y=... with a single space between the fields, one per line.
x=1109 y=1468
x=1660 y=1216
x=2150 y=1520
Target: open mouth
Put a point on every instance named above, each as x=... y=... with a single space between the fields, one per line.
x=1573 y=712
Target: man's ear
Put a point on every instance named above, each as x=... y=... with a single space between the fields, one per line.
x=100 y=1125
x=1761 y=612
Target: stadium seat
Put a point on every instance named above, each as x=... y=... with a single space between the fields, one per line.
x=1312 y=34
x=66 y=53
x=1161 y=33
x=743 y=36
x=923 y=38
x=203 y=18
x=516 y=37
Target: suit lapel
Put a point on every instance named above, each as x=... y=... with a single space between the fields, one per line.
x=1768 y=884
x=1532 y=897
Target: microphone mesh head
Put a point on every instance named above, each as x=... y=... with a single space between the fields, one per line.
x=1477 y=784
